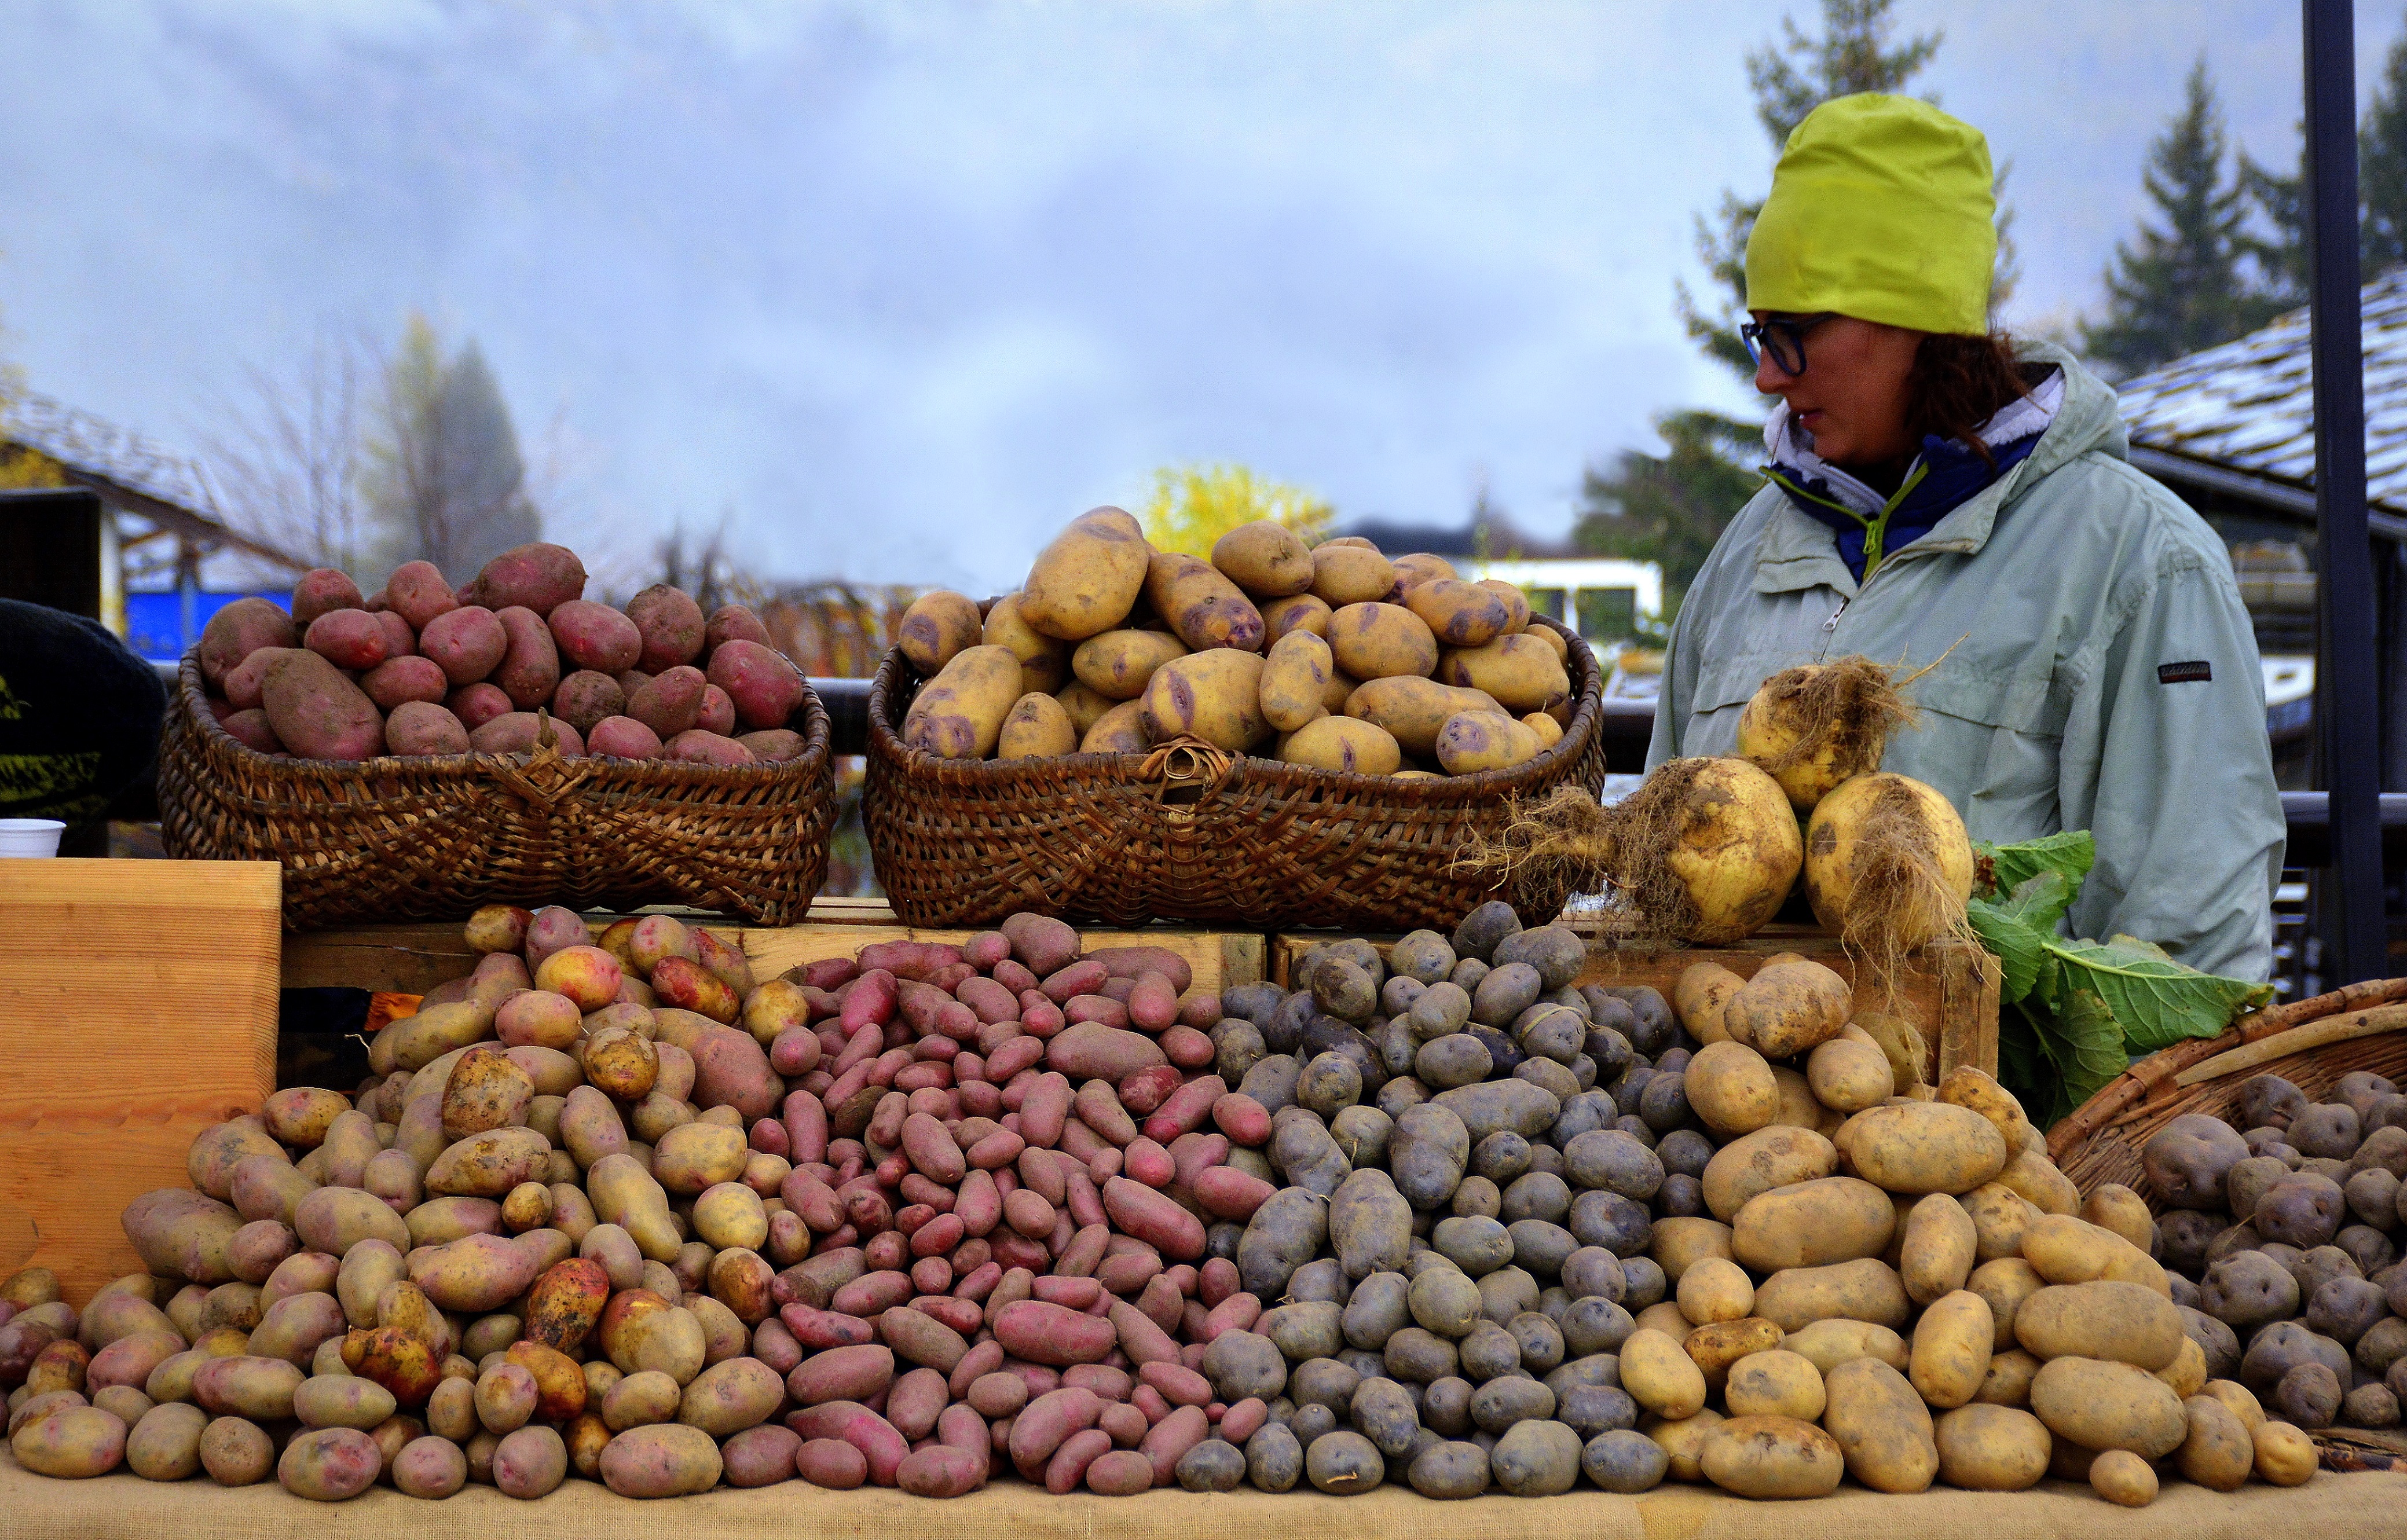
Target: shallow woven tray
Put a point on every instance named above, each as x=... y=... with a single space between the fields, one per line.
x=431 y=838
x=1189 y=834
x=2310 y=1043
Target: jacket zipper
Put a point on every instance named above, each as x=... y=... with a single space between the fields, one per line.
x=1831 y=629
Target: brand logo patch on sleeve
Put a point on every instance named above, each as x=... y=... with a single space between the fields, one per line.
x=2185 y=673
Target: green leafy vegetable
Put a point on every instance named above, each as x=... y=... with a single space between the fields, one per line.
x=2016 y=927
x=2071 y=854
x=2083 y=1008
x=2082 y=1047
x=2158 y=1001
x=2021 y=951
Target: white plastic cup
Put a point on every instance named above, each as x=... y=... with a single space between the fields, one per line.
x=29 y=836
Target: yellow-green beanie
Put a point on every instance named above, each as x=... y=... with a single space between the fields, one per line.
x=1883 y=209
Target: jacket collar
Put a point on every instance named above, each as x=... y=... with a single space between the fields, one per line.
x=1798 y=552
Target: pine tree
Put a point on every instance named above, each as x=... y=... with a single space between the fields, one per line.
x=2180 y=285
x=444 y=480
x=2280 y=253
x=2381 y=170
x=1669 y=508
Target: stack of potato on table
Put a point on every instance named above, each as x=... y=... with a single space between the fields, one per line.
x=417 y=669
x=610 y=1208
x=1332 y=656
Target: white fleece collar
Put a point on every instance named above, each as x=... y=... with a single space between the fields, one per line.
x=1791 y=446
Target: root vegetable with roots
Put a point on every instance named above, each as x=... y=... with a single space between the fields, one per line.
x=1706 y=850
x=1889 y=867
x=1818 y=725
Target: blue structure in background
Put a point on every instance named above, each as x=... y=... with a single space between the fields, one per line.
x=160 y=627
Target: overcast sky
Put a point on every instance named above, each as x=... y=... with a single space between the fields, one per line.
x=902 y=287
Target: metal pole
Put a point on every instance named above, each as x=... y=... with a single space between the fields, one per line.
x=2348 y=712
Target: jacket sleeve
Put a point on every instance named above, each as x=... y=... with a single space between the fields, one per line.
x=1677 y=688
x=2166 y=762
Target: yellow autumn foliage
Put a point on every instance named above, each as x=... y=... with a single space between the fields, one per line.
x=1193 y=506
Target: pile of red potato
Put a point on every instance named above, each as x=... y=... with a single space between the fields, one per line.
x=614 y=1210
x=419 y=669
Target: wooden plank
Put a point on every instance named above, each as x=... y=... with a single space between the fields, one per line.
x=1218 y=959
x=1950 y=993
x=413 y=959
x=401 y=958
x=138 y=1006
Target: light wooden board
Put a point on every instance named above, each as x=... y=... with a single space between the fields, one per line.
x=1950 y=991
x=1218 y=959
x=413 y=959
x=138 y=1006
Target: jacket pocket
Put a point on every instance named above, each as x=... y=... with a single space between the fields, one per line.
x=2018 y=699
x=1991 y=741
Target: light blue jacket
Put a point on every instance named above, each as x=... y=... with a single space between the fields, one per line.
x=2104 y=674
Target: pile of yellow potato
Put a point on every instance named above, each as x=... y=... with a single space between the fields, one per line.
x=1894 y=1283
x=1332 y=656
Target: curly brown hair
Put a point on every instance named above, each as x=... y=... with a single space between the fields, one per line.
x=1959 y=382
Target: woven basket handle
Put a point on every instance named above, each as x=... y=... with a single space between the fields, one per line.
x=543 y=780
x=1186 y=761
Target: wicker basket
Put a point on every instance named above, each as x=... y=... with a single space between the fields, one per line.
x=1191 y=834
x=2310 y=1043
x=431 y=838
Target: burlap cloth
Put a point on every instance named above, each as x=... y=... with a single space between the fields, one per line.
x=2330 y=1507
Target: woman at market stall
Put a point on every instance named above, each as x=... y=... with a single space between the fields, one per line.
x=1940 y=494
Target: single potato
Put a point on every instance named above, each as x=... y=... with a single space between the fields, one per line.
x=1118 y=663
x=1296 y=674
x=1522 y=673
x=1379 y=641
x=1214 y=696
x=1264 y=558
x=1086 y=581
x=1342 y=742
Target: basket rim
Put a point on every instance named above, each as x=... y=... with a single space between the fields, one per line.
x=193 y=693
x=887 y=744
x=2152 y=1082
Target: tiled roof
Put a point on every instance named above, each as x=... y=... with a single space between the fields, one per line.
x=2248 y=405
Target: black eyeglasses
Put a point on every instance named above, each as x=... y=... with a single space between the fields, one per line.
x=1783 y=339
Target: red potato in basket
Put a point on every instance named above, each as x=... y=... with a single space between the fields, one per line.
x=520 y=731
x=697 y=747
x=468 y=642
x=251 y=730
x=400 y=641
x=418 y=593
x=317 y=713
x=406 y=679
x=733 y=623
x=478 y=704
x=587 y=698
x=761 y=683
x=240 y=630
x=321 y=591
x=773 y=746
x=623 y=737
x=670 y=703
x=540 y=576
x=529 y=671
x=242 y=683
x=671 y=625
x=594 y=635
x=421 y=727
